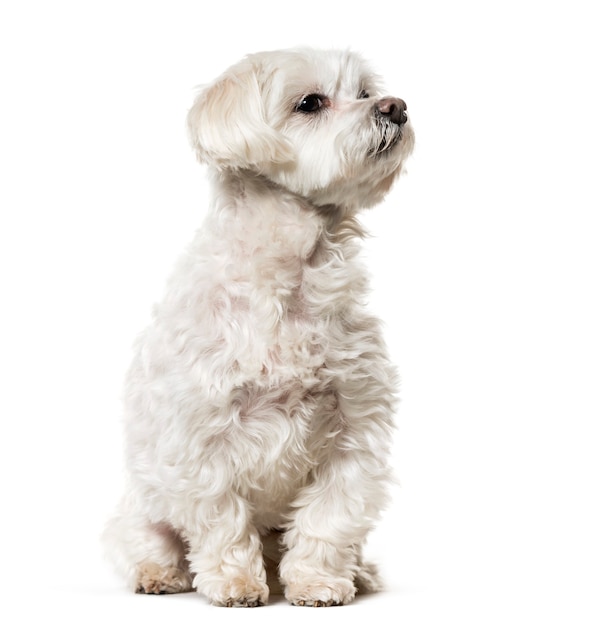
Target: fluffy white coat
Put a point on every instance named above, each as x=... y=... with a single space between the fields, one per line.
x=260 y=400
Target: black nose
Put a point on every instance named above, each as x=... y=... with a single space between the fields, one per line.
x=392 y=108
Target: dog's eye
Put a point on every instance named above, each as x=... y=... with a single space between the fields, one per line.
x=311 y=103
x=363 y=95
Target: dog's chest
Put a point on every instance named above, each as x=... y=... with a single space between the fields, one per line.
x=295 y=350
x=279 y=435
x=296 y=321
x=282 y=332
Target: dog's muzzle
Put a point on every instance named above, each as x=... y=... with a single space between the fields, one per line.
x=390 y=117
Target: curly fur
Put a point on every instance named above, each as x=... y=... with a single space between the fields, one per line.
x=260 y=400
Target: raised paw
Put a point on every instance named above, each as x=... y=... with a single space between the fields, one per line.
x=154 y=579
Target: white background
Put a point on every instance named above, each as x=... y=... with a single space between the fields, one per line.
x=483 y=260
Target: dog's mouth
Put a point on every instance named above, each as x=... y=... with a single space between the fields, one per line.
x=388 y=137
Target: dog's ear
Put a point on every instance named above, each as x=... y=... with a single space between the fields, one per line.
x=228 y=124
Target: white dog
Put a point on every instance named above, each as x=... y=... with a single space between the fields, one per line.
x=260 y=400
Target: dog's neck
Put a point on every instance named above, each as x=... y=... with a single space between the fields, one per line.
x=262 y=209
x=283 y=246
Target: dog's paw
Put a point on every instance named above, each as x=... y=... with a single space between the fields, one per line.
x=318 y=593
x=249 y=602
x=241 y=592
x=154 y=579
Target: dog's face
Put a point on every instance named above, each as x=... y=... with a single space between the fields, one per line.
x=315 y=122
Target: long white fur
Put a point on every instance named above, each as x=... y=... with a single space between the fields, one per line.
x=261 y=398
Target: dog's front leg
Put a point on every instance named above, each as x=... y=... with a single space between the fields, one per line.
x=317 y=570
x=333 y=514
x=225 y=554
x=326 y=531
x=325 y=535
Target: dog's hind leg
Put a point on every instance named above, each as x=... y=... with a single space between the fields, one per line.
x=150 y=556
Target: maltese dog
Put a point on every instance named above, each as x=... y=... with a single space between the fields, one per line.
x=258 y=407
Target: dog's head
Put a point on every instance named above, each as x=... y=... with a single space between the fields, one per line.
x=315 y=122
